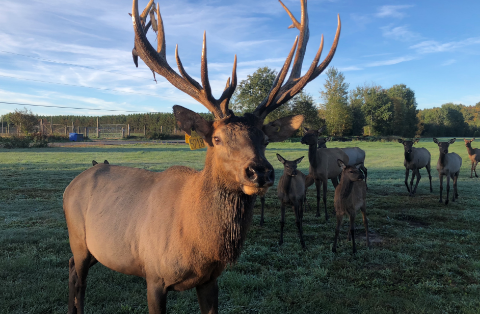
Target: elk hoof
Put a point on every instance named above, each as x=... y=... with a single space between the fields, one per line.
x=440 y=201
x=446 y=202
x=334 y=249
x=280 y=242
x=261 y=223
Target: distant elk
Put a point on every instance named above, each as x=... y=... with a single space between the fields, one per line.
x=356 y=155
x=474 y=155
x=449 y=165
x=350 y=196
x=323 y=165
x=291 y=192
x=180 y=228
x=415 y=159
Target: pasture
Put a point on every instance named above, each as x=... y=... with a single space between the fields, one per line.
x=424 y=258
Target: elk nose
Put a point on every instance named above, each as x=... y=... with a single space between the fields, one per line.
x=260 y=175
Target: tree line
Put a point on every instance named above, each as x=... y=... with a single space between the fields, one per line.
x=368 y=110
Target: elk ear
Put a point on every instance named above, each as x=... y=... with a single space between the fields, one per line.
x=435 y=140
x=322 y=129
x=341 y=164
x=400 y=141
x=281 y=129
x=473 y=139
x=305 y=130
x=94 y=162
x=358 y=165
x=452 y=141
x=416 y=141
x=299 y=160
x=281 y=159
x=188 y=120
x=328 y=139
x=106 y=162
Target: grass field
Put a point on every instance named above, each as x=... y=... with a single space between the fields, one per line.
x=425 y=256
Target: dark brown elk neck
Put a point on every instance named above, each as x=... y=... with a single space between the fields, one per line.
x=345 y=186
x=284 y=183
x=230 y=209
x=409 y=156
x=441 y=158
x=312 y=155
x=470 y=150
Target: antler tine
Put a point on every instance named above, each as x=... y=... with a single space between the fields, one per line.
x=160 y=34
x=157 y=62
x=145 y=12
x=229 y=89
x=296 y=82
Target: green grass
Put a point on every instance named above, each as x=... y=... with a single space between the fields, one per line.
x=424 y=257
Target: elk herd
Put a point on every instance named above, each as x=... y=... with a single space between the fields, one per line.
x=180 y=228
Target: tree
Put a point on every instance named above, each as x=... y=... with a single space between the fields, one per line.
x=355 y=102
x=377 y=110
x=335 y=103
x=251 y=91
x=24 y=120
x=404 y=114
x=303 y=104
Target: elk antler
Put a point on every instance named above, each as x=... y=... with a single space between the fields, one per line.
x=279 y=94
x=156 y=60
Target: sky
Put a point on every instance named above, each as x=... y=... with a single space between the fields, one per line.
x=77 y=53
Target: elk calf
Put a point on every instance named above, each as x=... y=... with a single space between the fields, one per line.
x=415 y=159
x=449 y=165
x=350 y=196
x=291 y=191
x=473 y=154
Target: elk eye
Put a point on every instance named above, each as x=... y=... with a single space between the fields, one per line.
x=217 y=140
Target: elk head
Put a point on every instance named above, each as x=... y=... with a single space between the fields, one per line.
x=468 y=143
x=310 y=137
x=351 y=173
x=444 y=145
x=322 y=141
x=408 y=145
x=235 y=145
x=290 y=167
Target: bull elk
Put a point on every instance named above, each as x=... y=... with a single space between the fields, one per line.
x=291 y=191
x=449 y=165
x=350 y=196
x=474 y=155
x=323 y=165
x=415 y=159
x=180 y=228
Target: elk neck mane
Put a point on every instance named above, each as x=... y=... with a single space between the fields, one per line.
x=346 y=187
x=409 y=156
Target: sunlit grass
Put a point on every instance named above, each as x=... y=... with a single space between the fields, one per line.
x=424 y=258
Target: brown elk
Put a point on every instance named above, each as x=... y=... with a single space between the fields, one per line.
x=350 y=196
x=180 y=228
x=415 y=159
x=474 y=155
x=323 y=165
x=449 y=165
x=291 y=191
x=94 y=162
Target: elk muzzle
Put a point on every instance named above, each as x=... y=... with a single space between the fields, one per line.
x=258 y=178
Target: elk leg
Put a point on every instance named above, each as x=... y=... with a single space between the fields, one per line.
x=429 y=176
x=418 y=180
x=298 y=221
x=352 y=232
x=262 y=200
x=325 y=199
x=441 y=187
x=407 y=172
x=448 y=189
x=414 y=173
x=282 y=223
x=78 y=280
x=207 y=295
x=471 y=170
x=475 y=169
x=72 y=282
x=455 y=178
x=156 y=297
x=365 y=223
x=337 y=231
x=318 y=185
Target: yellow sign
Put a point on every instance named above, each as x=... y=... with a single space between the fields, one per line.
x=195 y=141
x=187 y=138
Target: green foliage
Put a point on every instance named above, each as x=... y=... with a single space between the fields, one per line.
x=377 y=110
x=24 y=119
x=338 y=116
x=449 y=120
x=35 y=140
x=251 y=91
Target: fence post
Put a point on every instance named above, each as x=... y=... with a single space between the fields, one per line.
x=128 y=130
x=161 y=129
x=97 y=129
x=73 y=127
x=123 y=132
x=86 y=134
x=18 y=129
x=2 y=124
x=144 y=130
x=65 y=130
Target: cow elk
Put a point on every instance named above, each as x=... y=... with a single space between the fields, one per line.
x=415 y=159
x=291 y=192
x=474 y=155
x=350 y=196
x=323 y=165
x=180 y=228
x=448 y=165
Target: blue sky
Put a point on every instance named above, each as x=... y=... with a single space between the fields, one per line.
x=77 y=53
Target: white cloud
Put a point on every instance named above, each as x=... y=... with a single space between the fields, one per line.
x=401 y=33
x=432 y=46
x=392 y=10
x=391 y=61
